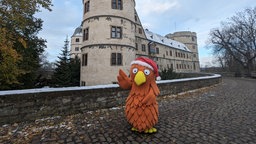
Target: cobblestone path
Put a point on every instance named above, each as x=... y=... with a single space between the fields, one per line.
x=225 y=113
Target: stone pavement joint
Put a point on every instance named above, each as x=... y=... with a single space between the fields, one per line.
x=225 y=113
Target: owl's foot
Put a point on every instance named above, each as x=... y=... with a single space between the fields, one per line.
x=134 y=129
x=152 y=130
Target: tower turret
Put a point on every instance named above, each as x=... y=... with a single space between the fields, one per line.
x=76 y=40
x=190 y=40
x=108 y=40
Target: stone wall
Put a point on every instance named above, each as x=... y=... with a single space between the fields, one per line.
x=29 y=105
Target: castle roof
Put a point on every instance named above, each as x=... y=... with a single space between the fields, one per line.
x=165 y=41
x=78 y=31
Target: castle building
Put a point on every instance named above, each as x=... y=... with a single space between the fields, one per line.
x=111 y=36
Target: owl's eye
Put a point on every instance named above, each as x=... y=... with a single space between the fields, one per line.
x=146 y=72
x=135 y=70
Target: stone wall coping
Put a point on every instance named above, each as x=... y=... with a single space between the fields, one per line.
x=45 y=90
x=189 y=79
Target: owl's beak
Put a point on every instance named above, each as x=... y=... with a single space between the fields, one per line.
x=140 y=78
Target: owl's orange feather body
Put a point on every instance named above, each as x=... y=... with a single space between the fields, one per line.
x=141 y=107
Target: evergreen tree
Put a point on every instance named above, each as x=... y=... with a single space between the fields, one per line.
x=75 y=71
x=62 y=75
x=168 y=74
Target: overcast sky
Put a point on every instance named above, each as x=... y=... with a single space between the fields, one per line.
x=159 y=16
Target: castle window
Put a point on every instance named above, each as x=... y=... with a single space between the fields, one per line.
x=170 y=53
x=76 y=48
x=87 y=7
x=84 y=59
x=116 y=59
x=140 y=31
x=193 y=38
x=86 y=34
x=116 y=32
x=117 y=4
x=143 y=47
x=157 y=50
x=77 y=39
x=83 y=83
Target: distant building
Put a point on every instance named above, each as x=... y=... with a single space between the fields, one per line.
x=111 y=36
x=76 y=43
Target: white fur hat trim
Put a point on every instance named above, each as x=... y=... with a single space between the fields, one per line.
x=142 y=64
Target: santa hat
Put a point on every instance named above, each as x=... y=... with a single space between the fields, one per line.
x=143 y=61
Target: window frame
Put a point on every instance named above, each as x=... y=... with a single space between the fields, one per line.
x=116 y=59
x=83 y=83
x=117 y=4
x=84 y=59
x=143 y=47
x=86 y=34
x=157 y=50
x=116 y=32
x=86 y=7
x=140 y=31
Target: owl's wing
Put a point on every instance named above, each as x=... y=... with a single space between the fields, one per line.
x=123 y=80
x=155 y=88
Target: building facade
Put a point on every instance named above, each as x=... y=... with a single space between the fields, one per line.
x=112 y=36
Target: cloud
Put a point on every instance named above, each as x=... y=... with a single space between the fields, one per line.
x=159 y=16
x=58 y=24
x=147 y=7
x=147 y=26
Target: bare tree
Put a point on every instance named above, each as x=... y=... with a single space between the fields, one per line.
x=237 y=39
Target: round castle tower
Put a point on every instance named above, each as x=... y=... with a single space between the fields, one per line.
x=108 y=41
x=190 y=40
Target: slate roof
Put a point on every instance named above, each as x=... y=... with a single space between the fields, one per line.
x=165 y=41
x=78 y=31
